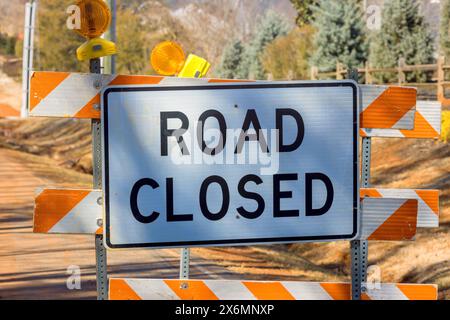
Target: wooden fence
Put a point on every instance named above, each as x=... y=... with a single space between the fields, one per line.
x=439 y=70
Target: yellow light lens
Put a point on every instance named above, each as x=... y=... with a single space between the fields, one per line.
x=96 y=48
x=167 y=58
x=95 y=18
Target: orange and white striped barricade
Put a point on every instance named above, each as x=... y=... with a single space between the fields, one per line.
x=142 y=289
x=79 y=211
x=427 y=124
x=66 y=211
x=77 y=95
x=428 y=202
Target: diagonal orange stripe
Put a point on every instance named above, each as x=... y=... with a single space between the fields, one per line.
x=53 y=205
x=191 y=290
x=431 y=198
x=422 y=129
x=268 y=291
x=401 y=225
x=362 y=133
x=338 y=291
x=7 y=111
x=88 y=111
x=42 y=84
x=135 y=80
x=419 y=291
x=120 y=290
x=369 y=192
x=365 y=297
x=389 y=108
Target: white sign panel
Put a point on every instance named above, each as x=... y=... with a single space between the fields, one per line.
x=229 y=164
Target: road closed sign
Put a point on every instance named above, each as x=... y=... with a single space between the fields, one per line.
x=230 y=164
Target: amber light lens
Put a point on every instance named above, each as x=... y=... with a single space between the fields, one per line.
x=95 y=18
x=167 y=58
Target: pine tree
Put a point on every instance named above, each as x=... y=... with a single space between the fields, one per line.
x=445 y=30
x=304 y=11
x=271 y=26
x=403 y=34
x=230 y=64
x=341 y=34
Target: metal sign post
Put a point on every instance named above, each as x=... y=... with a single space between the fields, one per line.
x=360 y=248
x=110 y=61
x=100 y=250
x=28 y=49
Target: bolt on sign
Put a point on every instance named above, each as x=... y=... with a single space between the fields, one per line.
x=230 y=164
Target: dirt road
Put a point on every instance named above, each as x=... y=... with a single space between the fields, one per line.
x=36 y=266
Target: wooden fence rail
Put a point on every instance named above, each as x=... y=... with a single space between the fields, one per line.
x=439 y=79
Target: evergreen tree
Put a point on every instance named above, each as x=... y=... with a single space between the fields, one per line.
x=445 y=30
x=286 y=58
x=403 y=34
x=341 y=34
x=230 y=64
x=271 y=26
x=304 y=11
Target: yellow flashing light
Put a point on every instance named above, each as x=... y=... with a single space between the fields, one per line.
x=195 y=67
x=95 y=18
x=96 y=48
x=167 y=58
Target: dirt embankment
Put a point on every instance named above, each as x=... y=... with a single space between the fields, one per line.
x=67 y=141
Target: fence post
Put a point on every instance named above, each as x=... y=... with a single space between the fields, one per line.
x=339 y=70
x=440 y=78
x=401 y=73
x=314 y=72
x=368 y=76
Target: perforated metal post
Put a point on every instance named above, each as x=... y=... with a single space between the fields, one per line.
x=184 y=263
x=360 y=249
x=28 y=52
x=100 y=250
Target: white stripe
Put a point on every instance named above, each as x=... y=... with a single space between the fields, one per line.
x=407 y=121
x=229 y=290
x=370 y=93
x=387 y=133
x=386 y=291
x=432 y=112
x=82 y=219
x=306 y=290
x=152 y=289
